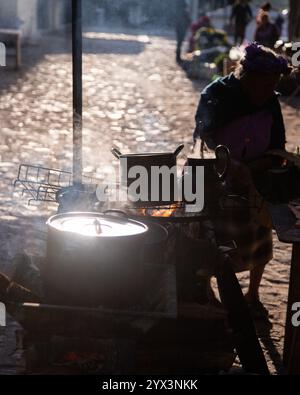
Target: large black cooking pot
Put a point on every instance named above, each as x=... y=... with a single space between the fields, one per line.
x=148 y=161
x=94 y=259
x=155 y=239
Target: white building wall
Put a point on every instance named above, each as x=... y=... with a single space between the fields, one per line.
x=57 y=10
x=8 y=9
x=27 y=12
x=56 y=14
x=193 y=4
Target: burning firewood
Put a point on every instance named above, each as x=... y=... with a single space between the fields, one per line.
x=13 y=292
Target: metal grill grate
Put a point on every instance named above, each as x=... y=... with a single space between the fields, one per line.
x=43 y=183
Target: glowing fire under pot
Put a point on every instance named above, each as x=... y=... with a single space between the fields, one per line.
x=159 y=212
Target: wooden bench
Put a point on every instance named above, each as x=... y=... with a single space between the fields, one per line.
x=15 y=35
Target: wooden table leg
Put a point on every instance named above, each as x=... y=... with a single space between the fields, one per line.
x=293 y=297
x=18 y=52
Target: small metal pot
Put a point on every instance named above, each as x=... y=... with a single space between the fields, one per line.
x=94 y=259
x=215 y=172
x=148 y=161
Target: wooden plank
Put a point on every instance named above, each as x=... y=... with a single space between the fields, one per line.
x=291 y=358
x=10 y=32
x=284 y=222
x=158 y=301
x=294 y=158
x=195 y=324
x=18 y=52
x=293 y=367
x=296 y=211
x=285 y=225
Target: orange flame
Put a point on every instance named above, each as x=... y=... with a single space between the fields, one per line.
x=159 y=212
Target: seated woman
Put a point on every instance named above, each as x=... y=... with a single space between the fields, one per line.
x=203 y=21
x=243 y=112
x=207 y=38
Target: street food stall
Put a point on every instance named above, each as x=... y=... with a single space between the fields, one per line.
x=109 y=271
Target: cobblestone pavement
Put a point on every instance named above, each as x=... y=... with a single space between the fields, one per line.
x=135 y=96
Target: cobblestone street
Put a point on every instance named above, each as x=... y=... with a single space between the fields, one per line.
x=136 y=97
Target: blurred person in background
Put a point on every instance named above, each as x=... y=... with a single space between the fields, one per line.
x=182 y=21
x=266 y=32
x=279 y=20
x=241 y=16
x=265 y=7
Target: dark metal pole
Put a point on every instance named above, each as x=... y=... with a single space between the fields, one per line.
x=77 y=89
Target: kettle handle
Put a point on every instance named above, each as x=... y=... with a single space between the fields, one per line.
x=222 y=152
x=178 y=150
x=116 y=153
